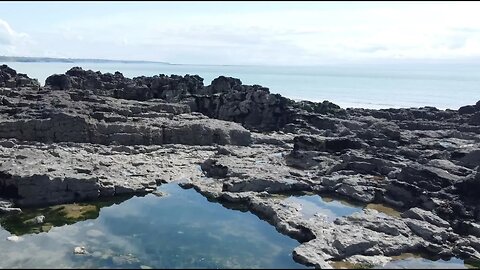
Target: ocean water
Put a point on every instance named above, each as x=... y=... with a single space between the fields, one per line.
x=375 y=86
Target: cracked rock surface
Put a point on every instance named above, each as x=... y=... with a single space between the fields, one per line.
x=87 y=135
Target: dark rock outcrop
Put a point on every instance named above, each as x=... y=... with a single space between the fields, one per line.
x=10 y=78
x=226 y=98
x=59 y=82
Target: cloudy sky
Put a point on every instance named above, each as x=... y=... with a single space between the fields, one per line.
x=243 y=33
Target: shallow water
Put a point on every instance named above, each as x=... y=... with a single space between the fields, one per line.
x=422 y=263
x=176 y=228
x=182 y=229
x=409 y=261
x=332 y=209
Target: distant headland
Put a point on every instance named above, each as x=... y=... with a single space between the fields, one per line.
x=28 y=59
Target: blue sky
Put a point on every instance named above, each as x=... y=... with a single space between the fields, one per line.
x=274 y=33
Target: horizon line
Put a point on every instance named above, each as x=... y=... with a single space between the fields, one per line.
x=45 y=59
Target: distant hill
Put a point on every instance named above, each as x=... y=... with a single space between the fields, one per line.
x=70 y=60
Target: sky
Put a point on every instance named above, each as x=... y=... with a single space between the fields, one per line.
x=243 y=33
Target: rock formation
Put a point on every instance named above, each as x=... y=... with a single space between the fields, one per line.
x=86 y=135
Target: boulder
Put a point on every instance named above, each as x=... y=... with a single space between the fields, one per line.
x=469 y=109
x=224 y=84
x=59 y=82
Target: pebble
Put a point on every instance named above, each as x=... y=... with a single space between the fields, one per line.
x=39 y=219
x=79 y=250
x=14 y=238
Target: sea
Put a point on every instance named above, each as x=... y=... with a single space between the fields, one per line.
x=374 y=86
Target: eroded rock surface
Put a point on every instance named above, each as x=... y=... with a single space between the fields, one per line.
x=86 y=135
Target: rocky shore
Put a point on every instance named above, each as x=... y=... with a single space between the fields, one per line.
x=87 y=135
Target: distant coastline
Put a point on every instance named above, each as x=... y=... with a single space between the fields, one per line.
x=27 y=59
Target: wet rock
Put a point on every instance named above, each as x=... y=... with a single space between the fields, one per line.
x=125 y=259
x=159 y=193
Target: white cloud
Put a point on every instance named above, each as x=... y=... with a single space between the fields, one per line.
x=316 y=35
x=7 y=35
x=12 y=42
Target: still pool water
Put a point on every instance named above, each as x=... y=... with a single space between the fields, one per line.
x=333 y=208
x=315 y=204
x=422 y=263
x=180 y=230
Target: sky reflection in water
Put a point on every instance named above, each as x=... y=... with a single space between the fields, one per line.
x=180 y=230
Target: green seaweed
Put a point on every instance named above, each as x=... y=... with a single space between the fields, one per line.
x=349 y=265
x=55 y=216
x=472 y=264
